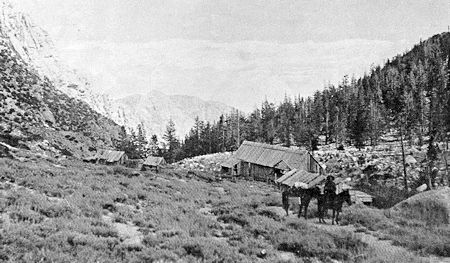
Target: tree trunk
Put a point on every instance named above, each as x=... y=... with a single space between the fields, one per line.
x=403 y=160
x=446 y=168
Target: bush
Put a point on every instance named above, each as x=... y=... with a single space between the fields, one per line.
x=272 y=200
x=427 y=241
x=373 y=219
x=315 y=243
x=269 y=213
x=122 y=171
x=233 y=218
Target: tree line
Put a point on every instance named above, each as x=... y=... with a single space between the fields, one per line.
x=409 y=96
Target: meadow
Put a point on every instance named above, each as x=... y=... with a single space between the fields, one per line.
x=69 y=211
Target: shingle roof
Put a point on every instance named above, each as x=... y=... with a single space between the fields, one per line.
x=230 y=162
x=311 y=179
x=286 y=176
x=282 y=165
x=270 y=155
x=154 y=161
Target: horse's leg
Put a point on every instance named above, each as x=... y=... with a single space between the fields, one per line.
x=300 y=205
x=306 y=210
x=321 y=215
x=332 y=218
x=337 y=217
x=286 y=207
x=320 y=209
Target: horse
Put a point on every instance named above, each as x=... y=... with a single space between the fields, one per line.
x=334 y=203
x=305 y=195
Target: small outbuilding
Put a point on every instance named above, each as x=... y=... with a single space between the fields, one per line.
x=360 y=197
x=153 y=162
x=112 y=157
x=109 y=157
x=230 y=166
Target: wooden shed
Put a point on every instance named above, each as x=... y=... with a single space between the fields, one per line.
x=109 y=157
x=360 y=197
x=230 y=166
x=112 y=157
x=269 y=162
x=153 y=162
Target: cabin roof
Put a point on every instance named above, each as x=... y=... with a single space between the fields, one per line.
x=270 y=155
x=360 y=196
x=154 y=161
x=110 y=156
x=230 y=162
x=301 y=176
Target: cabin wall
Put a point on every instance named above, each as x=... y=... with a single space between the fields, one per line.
x=244 y=169
x=226 y=170
x=262 y=173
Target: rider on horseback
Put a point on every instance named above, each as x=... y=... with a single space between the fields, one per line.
x=330 y=188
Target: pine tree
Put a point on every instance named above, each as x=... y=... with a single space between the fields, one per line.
x=268 y=122
x=140 y=142
x=173 y=143
x=154 y=149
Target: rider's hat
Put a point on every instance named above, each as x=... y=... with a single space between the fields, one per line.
x=330 y=178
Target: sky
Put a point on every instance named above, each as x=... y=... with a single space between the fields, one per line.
x=234 y=51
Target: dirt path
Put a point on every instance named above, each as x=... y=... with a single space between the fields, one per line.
x=380 y=247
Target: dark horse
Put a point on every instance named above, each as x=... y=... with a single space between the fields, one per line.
x=305 y=196
x=335 y=203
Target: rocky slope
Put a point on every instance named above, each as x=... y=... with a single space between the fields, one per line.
x=35 y=115
x=33 y=45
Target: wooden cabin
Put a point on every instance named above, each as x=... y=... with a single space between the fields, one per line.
x=153 y=162
x=108 y=157
x=266 y=162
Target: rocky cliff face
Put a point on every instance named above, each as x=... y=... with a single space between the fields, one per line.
x=35 y=114
x=34 y=47
x=35 y=110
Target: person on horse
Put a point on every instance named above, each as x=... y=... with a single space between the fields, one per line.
x=330 y=188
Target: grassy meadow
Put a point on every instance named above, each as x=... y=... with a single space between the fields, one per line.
x=75 y=212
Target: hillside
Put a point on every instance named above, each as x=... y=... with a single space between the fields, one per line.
x=36 y=115
x=68 y=211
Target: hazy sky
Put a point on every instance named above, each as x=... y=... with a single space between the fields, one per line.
x=281 y=21
x=166 y=42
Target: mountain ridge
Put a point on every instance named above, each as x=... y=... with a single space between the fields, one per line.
x=35 y=47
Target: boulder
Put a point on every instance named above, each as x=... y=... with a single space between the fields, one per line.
x=421 y=188
x=48 y=116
